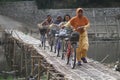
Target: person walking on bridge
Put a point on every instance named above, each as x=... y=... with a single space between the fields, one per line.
x=81 y=22
x=47 y=21
x=43 y=28
x=45 y=24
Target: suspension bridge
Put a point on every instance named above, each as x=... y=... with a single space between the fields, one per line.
x=34 y=60
x=28 y=59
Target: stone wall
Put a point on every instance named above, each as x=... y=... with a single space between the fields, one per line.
x=27 y=12
x=22 y=11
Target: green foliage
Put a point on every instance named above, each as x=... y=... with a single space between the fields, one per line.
x=42 y=4
x=44 y=77
x=8 y=78
x=1 y=78
x=13 y=0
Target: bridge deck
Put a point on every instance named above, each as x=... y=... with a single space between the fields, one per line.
x=91 y=71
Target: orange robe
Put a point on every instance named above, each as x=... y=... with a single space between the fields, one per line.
x=76 y=22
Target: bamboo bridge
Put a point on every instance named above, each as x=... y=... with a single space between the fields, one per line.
x=32 y=60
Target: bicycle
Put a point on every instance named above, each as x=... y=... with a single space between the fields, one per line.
x=64 y=42
x=54 y=29
x=72 y=43
x=60 y=46
x=51 y=38
x=60 y=42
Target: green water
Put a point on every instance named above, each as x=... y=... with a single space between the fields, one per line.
x=44 y=77
x=8 y=78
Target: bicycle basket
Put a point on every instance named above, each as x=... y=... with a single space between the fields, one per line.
x=42 y=31
x=74 y=36
x=52 y=31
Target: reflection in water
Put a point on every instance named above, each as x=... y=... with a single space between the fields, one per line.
x=99 y=50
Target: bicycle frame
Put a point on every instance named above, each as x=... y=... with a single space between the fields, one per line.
x=51 y=40
x=71 y=52
x=60 y=45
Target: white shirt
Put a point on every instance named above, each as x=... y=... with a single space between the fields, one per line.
x=62 y=32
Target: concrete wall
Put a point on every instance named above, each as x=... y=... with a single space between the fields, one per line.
x=27 y=12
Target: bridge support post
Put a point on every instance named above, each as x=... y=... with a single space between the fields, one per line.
x=26 y=69
x=21 y=63
x=48 y=75
x=32 y=63
x=14 y=55
x=39 y=68
x=48 y=72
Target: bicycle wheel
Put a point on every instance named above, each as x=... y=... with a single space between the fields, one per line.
x=58 y=53
x=63 y=50
x=51 y=41
x=67 y=59
x=51 y=48
x=55 y=49
x=44 y=42
x=73 y=57
x=58 y=48
x=55 y=45
x=41 y=39
x=44 y=45
x=68 y=52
